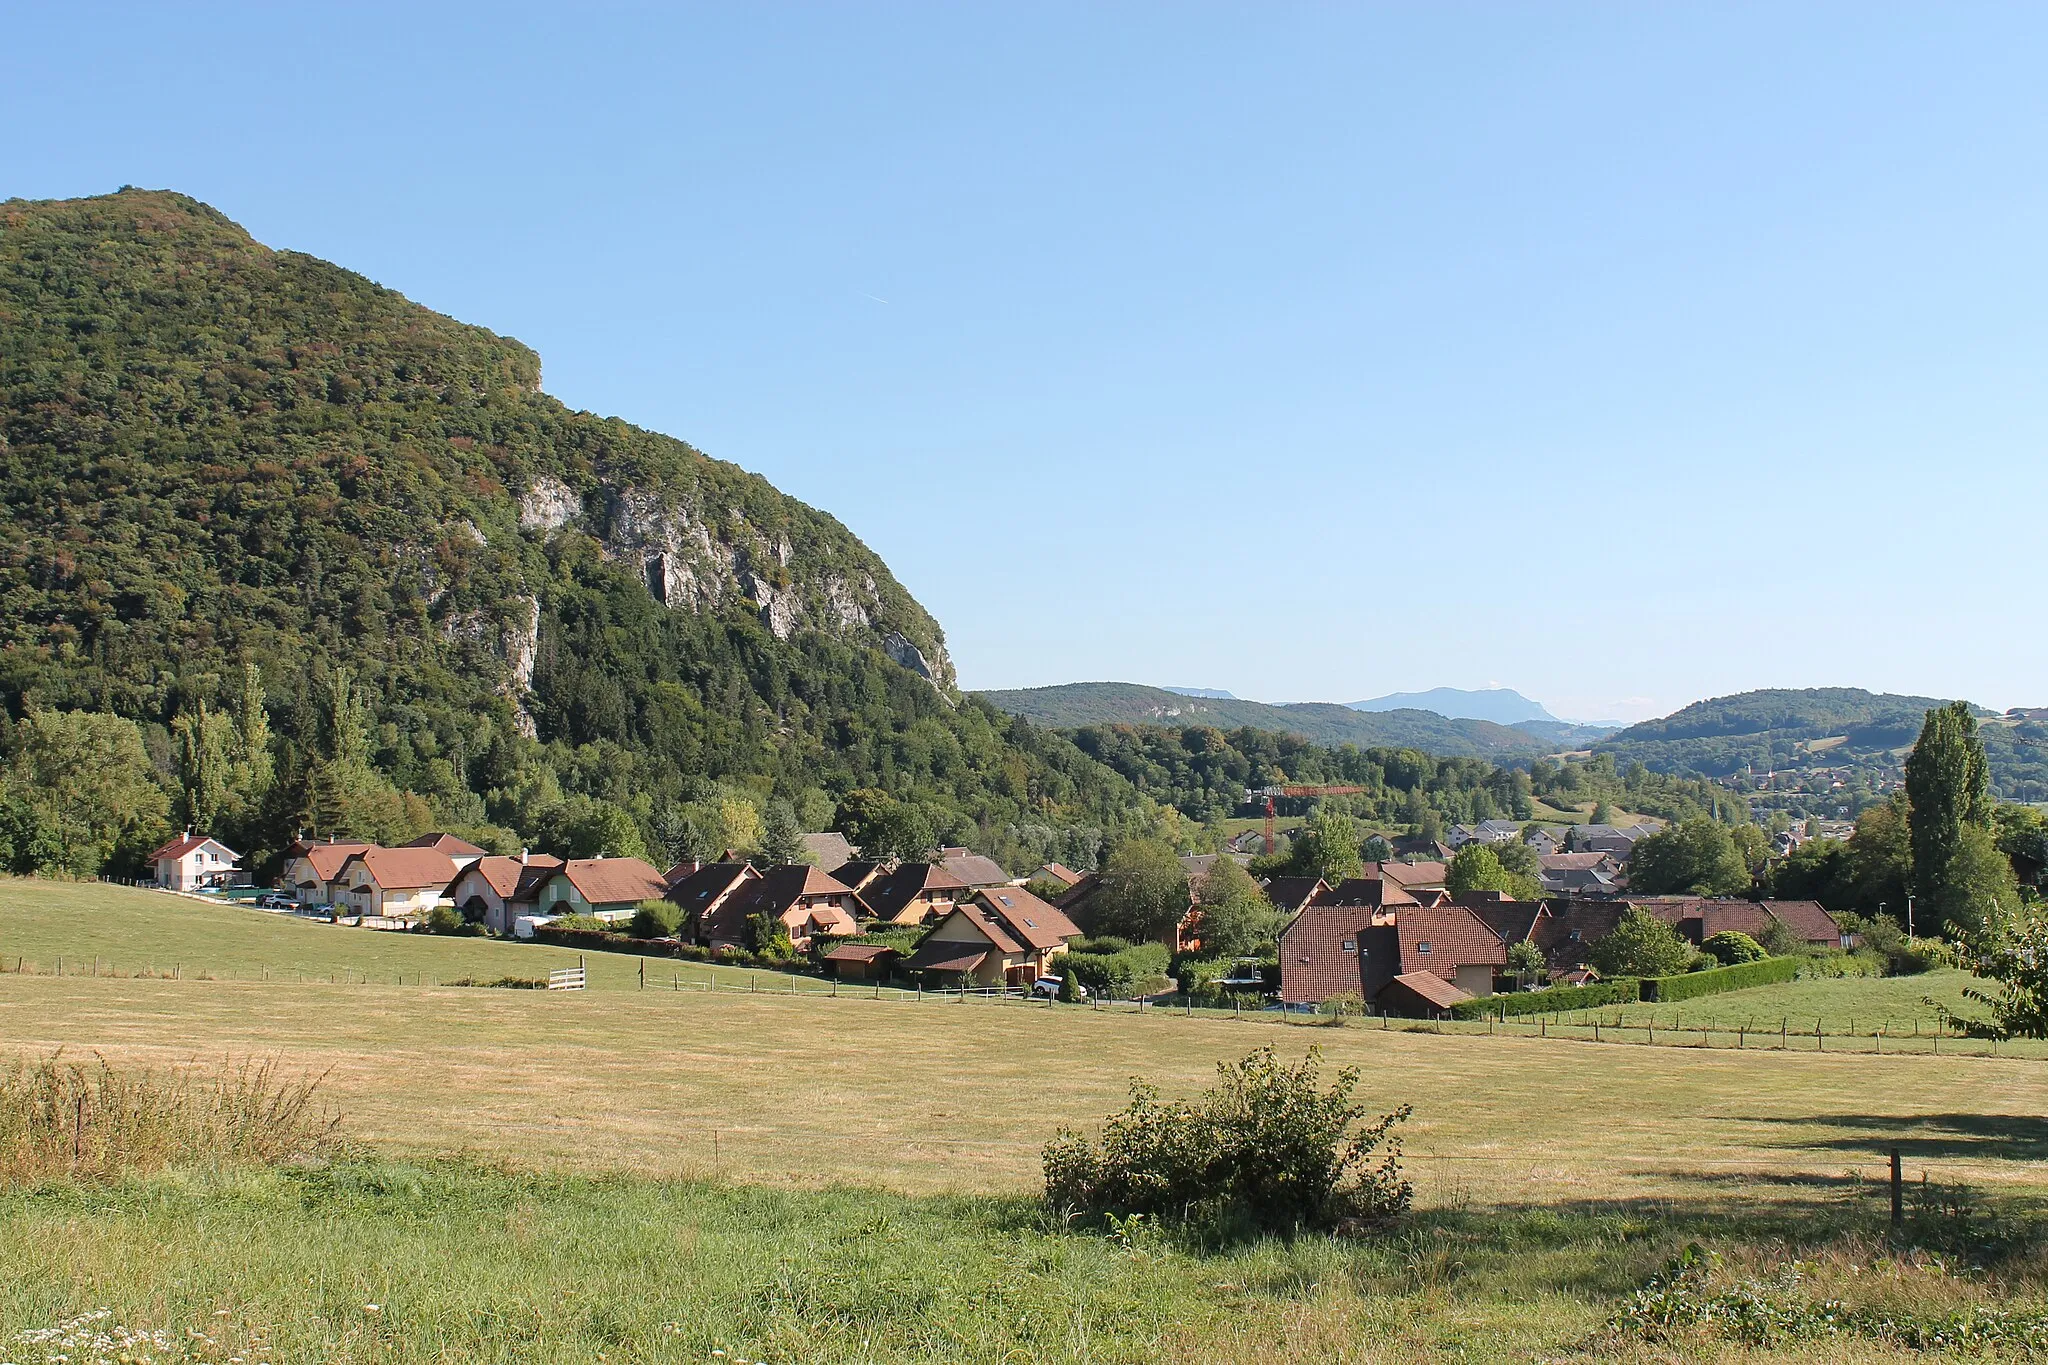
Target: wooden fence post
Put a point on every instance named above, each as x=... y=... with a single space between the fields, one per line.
x=1898 y=1191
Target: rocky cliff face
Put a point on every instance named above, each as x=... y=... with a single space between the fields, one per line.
x=218 y=450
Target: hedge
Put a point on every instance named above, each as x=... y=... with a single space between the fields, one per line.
x=1769 y=972
x=1623 y=990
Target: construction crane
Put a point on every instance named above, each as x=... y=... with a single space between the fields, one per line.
x=1294 y=789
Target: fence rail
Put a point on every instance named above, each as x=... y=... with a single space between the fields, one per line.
x=568 y=978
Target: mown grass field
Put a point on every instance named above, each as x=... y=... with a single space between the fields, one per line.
x=642 y=1176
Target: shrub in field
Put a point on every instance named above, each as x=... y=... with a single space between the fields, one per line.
x=1267 y=1149
x=1887 y=939
x=657 y=919
x=1732 y=946
x=446 y=919
x=1117 y=973
x=62 y=1119
x=1769 y=972
x=1342 y=1005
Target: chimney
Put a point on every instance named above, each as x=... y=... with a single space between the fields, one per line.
x=522 y=857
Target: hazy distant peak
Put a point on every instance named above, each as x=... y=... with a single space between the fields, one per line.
x=1501 y=705
x=1216 y=693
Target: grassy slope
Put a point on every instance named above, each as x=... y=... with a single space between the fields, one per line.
x=130 y=932
x=1553 y=1175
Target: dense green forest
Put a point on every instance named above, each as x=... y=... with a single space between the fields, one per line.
x=244 y=484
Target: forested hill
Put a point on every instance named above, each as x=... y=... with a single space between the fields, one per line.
x=214 y=455
x=1838 y=728
x=1112 y=703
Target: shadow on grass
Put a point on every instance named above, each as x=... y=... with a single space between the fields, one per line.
x=1996 y=1137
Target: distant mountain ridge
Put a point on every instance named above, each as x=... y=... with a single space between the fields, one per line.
x=1501 y=705
x=1071 y=705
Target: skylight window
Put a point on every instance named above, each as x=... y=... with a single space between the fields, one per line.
x=1422 y=947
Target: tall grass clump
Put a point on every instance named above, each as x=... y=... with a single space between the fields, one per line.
x=90 y=1121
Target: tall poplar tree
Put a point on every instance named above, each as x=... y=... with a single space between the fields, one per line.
x=1948 y=791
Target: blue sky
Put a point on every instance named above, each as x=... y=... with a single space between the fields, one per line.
x=1624 y=355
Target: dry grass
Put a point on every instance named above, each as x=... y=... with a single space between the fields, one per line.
x=81 y=1120
x=951 y=1097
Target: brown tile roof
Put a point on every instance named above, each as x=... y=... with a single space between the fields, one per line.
x=973 y=868
x=613 y=881
x=1059 y=872
x=861 y=873
x=1028 y=918
x=1314 y=964
x=1453 y=937
x=406 y=869
x=777 y=893
x=946 y=957
x=1573 y=862
x=1808 y=919
x=504 y=874
x=1512 y=921
x=1409 y=875
x=886 y=896
x=328 y=859
x=829 y=849
x=1365 y=891
x=1291 y=893
x=704 y=894
x=859 y=952
x=446 y=843
x=1432 y=988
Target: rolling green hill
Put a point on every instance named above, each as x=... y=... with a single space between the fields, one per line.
x=213 y=453
x=1110 y=703
x=1844 y=730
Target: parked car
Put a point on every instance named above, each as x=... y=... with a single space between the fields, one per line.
x=276 y=900
x=1048 y=988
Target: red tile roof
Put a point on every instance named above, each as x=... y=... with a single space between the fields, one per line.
x=504 y=874
x=446 y=843
x=886 y=896
x=613 y=881
x=859 y=952
x=1291 y=893
x=1432 y=988
x=406 y=869
x=1060 y=873
x=1026 y=917
x=1407 y=875
x=327 y=860
x=1455 y=937
x=1365 y=891
x=1314 y=963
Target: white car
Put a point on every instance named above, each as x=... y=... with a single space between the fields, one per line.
x=1048 y=987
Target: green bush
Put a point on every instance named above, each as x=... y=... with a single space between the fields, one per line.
x=1731 y=947
x=1268 y=1149
x=444 y=919
x=1769 y=972
x=1830 y=965
x=1624 y=990
x=1342 y=1005
x=1115 y=975
x=657 y=919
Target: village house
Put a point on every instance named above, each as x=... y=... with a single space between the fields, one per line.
x=1571 y=927
x=312 y=868
x=807 y=902
x=1416 y=960
x=1412 y=877
x=495 y=891
x=609 y=888
x=460 y=851
x=973 y=869
x=1004 y=936
x=704 y=892
x=860 y=873
x=394 y=883
x=1058 y=873
x=1589 y=876
x=1289 y=894
x=914 y=893
x=829 y=849
x=860 y=961
x=194 y=862
x=1485 y=832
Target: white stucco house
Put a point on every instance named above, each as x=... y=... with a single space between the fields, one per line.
x=194 y=862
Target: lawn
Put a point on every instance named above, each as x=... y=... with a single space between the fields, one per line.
x=656 y=1175
x=122 y=931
